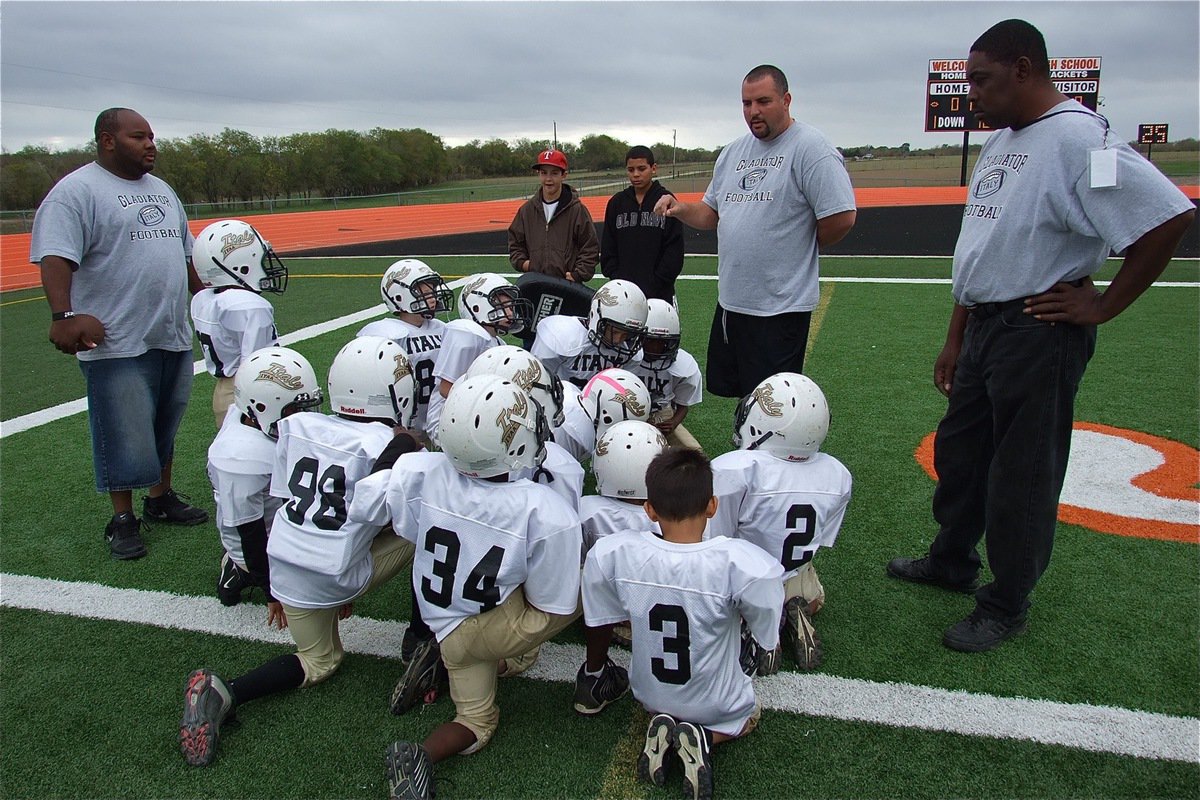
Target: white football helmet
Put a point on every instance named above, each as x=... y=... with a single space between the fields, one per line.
x=612 y=396
x=489 y=299
x=412 y=287
x=231 y=253
x=786 y=415
x=272 y=383
x=617 y=319
x=525 y=370
x=622 y=455
x=660 y=342
x=371 y=378
x=491 y=426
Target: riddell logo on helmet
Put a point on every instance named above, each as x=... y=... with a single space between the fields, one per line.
x=351 y=410
x=236 y=241
x=764 y=395
x=277 y=373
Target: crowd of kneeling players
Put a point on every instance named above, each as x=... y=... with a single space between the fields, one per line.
x=451 y=451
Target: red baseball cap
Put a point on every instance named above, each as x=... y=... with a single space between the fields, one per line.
x=551 y=158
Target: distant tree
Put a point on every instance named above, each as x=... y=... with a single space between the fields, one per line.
x=23 y=182
x=600 y=152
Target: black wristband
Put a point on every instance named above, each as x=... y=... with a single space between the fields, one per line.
x=58 y=316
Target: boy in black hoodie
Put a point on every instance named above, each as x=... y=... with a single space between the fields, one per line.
x=639 y=245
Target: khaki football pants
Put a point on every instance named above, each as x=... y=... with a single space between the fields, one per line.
x=680 y=437
x=222 y=399
x=807 y=584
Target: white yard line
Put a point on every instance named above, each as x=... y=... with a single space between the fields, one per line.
x=1102 y=729
x=47 y=415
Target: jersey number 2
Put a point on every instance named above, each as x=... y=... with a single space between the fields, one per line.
x=802 y=527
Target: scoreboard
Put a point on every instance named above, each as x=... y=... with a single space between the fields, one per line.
x=947 y=108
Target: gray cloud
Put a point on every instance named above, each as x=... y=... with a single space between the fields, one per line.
x=468 y=70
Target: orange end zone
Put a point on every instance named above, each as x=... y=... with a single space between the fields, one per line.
x=290 y=232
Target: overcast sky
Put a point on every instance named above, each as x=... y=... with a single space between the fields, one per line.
x=638 y=71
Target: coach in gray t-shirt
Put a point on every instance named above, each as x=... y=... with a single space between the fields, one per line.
x=113 y=245
x=778 y=195
x=1053 y=192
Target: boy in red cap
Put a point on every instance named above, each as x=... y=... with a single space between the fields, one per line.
x=553 y=232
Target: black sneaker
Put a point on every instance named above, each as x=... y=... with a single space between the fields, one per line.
x=660 y=738
x=171 y=509
x=980 y=632
x=409 y=772
x=123 y=534
x=233 y=581
x=594 y=692
x=207 y=701
x=920 y=570
x=424 y=680
x=694 y=748
x=799 y=635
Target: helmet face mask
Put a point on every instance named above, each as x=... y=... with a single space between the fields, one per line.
x=522 y=368
x=409 y=286
x=231 y=253
x=786 y=415
x=612 y=396
x=489 y=299
x=660 y=342
x=370 y=379
x=617 y=319
x=622 y=455
x=273 y=383
x=491 y=427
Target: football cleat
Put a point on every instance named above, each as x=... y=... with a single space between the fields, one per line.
x=800 y=636
x=172 y=509
x=693 y=746
x=232 y=582
x=409 y=772
x=660 y=736
x=424 y=680
x=207 y=702
x=593 y=693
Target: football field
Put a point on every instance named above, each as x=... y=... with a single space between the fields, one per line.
x=1100 y=698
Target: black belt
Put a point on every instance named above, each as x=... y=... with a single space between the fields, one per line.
x=986 y=310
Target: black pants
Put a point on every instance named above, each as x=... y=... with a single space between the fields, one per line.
x=743 y=351
x=1001 y=450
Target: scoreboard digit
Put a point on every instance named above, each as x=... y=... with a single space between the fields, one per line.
x=1152 y=133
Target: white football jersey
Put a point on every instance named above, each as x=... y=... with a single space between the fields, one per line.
x=560 y=471
x=422 y=346
x=788 y=508
x=463 y=341
x=685 y=603
x=240 y=461
x=577 y=434
x=562 y=346
x=231 y=324
x=604 y=516
x=319 y=557
x=679 y=384
x=476 y=540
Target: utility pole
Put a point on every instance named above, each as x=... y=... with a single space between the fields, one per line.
x=674 y=149
x=554 y=141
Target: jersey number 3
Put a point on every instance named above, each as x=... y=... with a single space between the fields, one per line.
x=480 y=586
x=678 y=645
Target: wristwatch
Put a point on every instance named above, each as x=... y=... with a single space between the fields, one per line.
x=58 y=316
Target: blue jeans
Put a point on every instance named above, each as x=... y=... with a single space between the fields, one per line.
x=134 y=409
x=1001 y=451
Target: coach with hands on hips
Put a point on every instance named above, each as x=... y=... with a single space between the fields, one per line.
x=778 y=195
x=1053 y=190
x=113 y=245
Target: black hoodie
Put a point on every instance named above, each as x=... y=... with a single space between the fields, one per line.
x=641 y=246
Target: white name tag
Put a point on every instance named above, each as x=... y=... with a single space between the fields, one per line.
x=1103 y=168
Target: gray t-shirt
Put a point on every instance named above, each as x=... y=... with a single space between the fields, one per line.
x=768 y=197
x=1032 y=218
x=131 y=242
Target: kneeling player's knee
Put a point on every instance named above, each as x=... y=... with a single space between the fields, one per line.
x=319 y=667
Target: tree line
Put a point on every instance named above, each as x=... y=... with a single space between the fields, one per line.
x=236 y=166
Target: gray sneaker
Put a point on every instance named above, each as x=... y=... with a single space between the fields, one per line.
x=207 y=702
x=660 y=737
x=409 y=772
x=694 y=748
x=799 y=635
x=423 y=680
